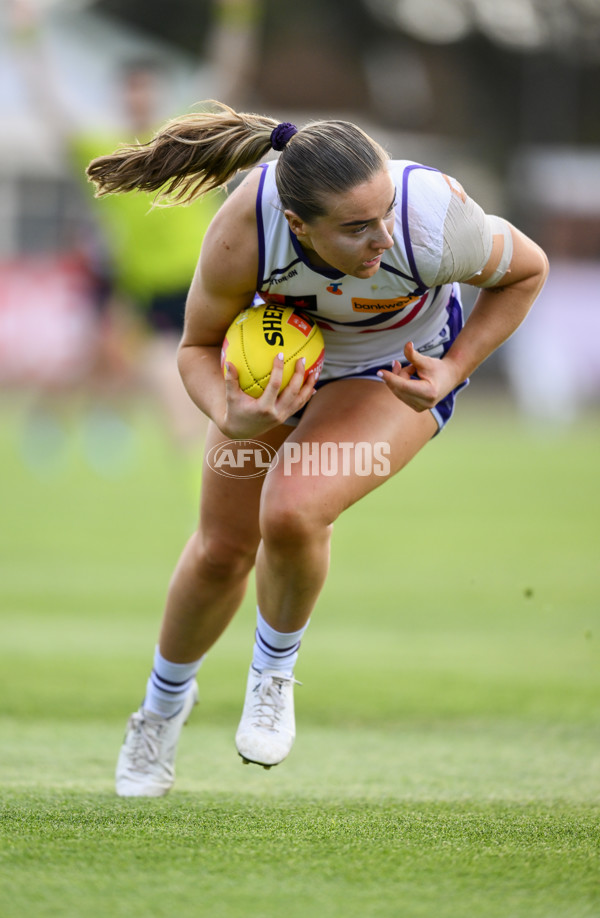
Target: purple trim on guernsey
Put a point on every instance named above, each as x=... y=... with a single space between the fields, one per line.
x=395 y=271
x=444 y=409
x=368 y=323
x=260 y=227
x=330 y=273
x=273 y=275
x=407 y=243
x=333 y=273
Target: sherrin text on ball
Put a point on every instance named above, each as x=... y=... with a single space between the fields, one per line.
x=259 y=333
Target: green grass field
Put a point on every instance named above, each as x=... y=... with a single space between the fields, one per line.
x=448 y=754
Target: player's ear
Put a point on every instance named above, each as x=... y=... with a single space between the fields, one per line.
x=297 y=226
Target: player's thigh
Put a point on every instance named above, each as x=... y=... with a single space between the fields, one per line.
x=354 y=435
x=232 y=481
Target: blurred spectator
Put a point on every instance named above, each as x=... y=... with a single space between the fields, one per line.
x=153 y=251
x=552 y=362
x=150 y=253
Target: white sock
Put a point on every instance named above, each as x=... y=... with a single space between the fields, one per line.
x=168 y=685
x=275 y=649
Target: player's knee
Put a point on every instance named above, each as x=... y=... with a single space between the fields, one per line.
x=224 y=557
x=291 y=517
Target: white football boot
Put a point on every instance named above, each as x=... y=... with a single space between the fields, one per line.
x=267 y=729
x=146 y=764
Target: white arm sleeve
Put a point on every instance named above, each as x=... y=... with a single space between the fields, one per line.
x=467 y=243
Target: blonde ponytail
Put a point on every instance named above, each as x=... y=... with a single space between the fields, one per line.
x=198 y=153
x=188 y=157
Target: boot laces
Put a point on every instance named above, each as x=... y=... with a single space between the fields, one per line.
x=145 y=741
x=269 y=702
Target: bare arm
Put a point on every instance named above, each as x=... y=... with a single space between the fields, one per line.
x=225 y=283
x=499 y=310
x=497 y=313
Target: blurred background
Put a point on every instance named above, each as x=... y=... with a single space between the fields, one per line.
x=502 y=94
x=453 y=666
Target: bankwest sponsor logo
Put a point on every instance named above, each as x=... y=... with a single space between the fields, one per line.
x=395 y=305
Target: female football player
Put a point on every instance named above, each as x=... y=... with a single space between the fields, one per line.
x=373 y=250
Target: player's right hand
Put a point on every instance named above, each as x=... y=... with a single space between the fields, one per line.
x=247 y=417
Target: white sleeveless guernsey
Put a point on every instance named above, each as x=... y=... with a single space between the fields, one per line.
x=367 y=322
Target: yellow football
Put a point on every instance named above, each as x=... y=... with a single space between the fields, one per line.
x=259 y=333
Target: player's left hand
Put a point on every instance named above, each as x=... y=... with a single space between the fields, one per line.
x=434 y=379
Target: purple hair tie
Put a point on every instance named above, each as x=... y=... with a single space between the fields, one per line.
x=281 y=134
